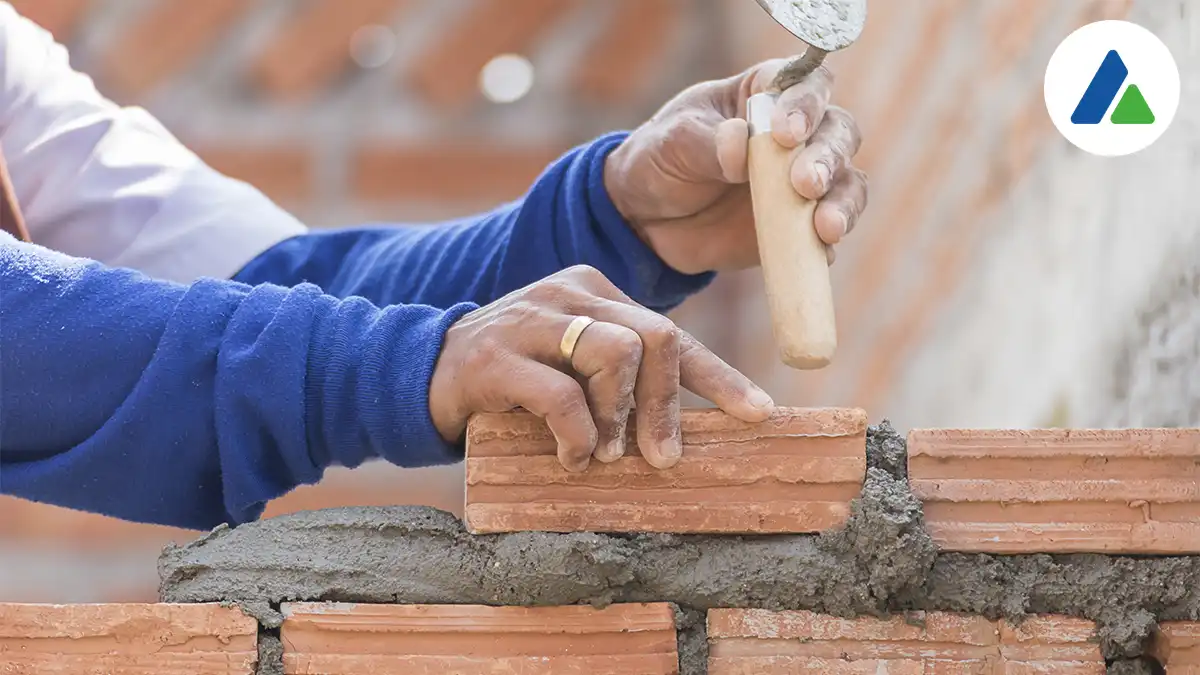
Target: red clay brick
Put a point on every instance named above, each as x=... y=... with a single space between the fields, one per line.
x=141 y=59
x=447 y=74
x=761 y=642
x=160 y=639
x=797 y=472
x=1177 y=647
x=283 y=173
x=312 y=48
x=60 y=17
x=1108 y=491
x=465 y=174
x=618 y=65
x=346 y=639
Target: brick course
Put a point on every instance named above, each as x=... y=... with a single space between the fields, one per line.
x=797 y=472
x=1120 y=491
x=761 y=642
x=126 y=638
x=337 y=639
x=1177 y=647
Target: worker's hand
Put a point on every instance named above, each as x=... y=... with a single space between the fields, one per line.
x=681 y=179
x=507 y=355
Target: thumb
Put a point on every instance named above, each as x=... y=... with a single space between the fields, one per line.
x=732 y=141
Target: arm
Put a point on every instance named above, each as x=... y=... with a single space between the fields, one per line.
x=566 y=219
x=108 y=183
x=195 y=405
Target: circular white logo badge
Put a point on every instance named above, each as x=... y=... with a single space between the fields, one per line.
x=1112 y=88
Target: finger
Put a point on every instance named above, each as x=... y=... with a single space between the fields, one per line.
x=705 y=374
x=733 y=138
x=843 y=205
x=608 y=355
x=827 y=154
x=800 y=109
x=665 y=368
x=656 y=390
x=557 y=398
x=830 y=255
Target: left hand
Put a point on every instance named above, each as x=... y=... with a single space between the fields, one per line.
x=681 y=179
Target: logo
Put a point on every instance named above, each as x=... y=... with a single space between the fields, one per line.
x=1112 y=88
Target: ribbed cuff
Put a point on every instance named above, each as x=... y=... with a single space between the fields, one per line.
x=368 y=385
x=653 y=283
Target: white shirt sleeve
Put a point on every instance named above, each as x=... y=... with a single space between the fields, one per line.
x=95 y=180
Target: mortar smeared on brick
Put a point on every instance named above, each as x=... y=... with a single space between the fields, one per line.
x=882 y=561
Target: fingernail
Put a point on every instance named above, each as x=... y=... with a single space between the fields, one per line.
x=845 y=220
x=616 y=448
x=671 y=448
x=760 y=399
x=798 y=123
x=824 y=175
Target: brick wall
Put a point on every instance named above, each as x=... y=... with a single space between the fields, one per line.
x=984 y=228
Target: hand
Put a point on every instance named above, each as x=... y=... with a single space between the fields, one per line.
x=506 y=355
x=681 y=179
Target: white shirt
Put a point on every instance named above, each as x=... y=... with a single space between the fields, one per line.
x=98 y=181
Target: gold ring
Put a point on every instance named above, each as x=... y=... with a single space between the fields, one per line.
x=571 y=338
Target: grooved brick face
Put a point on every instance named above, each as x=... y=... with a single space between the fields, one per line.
x=1177 y=647
x=348 y=639
x=126 y=638
x=1059 y=491
x=796 y=472
x=761 y=642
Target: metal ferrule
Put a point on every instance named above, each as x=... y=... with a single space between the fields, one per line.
x=758 y=113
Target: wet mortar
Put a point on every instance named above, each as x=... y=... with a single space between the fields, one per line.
x=883 y=561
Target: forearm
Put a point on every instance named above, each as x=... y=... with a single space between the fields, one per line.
x=195 y=405
x=566 y=219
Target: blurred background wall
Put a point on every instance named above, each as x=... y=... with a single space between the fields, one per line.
x=1002 y=278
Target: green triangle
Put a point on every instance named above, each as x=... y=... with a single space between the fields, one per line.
x=1133 y=108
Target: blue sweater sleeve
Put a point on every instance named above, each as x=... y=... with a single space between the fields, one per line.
x=195 y=405
x=566 y=219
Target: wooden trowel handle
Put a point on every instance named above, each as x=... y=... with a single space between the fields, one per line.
x=794 y=261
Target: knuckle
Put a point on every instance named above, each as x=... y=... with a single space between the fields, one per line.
x=566 y=399
x=588 y=279
x=826 y=73
x=662 y=336
x=553 y=291
x=486 y=353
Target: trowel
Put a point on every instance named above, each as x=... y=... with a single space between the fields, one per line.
x=794 y=261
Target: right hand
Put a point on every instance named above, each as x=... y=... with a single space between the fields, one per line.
x=506 y=355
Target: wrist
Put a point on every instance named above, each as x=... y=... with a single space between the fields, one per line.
x=369 y=379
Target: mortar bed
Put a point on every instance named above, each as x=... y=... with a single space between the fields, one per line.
x=882 y=562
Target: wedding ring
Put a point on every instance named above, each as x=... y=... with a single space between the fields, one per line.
x=571 y=338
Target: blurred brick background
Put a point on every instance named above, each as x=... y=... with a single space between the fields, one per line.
x=348 y=111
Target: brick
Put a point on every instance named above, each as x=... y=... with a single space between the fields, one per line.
x=447 y=74
x=141 y=58
x=761 y=642
x=60 y=17
x=1059 y=491
x=1177 y=647
x=126 y=638
x=345 y=639
x=463 y=173
x=1051 y=644
x=617 y=66
x=312 y=48
x=796 y=472
x=283 y=173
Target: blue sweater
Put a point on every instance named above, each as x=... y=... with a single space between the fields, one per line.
x=195 y=405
